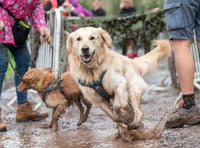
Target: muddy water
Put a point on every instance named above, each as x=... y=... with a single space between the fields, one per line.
x=99 y=131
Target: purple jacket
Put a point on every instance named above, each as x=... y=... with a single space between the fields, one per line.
x=79 y=9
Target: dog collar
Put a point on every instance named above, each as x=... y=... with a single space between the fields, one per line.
x=37 y=84
x=97 y=86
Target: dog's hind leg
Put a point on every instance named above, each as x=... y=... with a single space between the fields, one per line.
x=88 y=107
x=81 y=108
x=60 y=109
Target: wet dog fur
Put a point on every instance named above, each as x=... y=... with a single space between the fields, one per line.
x=90 y=55
x=55 y=99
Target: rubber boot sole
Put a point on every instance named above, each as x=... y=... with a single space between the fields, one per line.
x=28 y=119
x=3 y=129
x=32 y=119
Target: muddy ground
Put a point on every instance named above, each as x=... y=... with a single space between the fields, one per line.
x=99 y=131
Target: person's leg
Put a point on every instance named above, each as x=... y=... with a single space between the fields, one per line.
x=3 y=66
x=180 y=16
x=184 y=64
x=3 y=69
x=182 y=53
x=25 y=109
x=188 y=113
x=22 y=60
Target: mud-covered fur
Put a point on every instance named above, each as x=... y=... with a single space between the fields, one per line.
x=55 y=99
x=90 y=55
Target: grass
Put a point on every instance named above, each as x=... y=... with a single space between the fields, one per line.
x=10 y=71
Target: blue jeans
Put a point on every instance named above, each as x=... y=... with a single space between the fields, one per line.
x=22 y=59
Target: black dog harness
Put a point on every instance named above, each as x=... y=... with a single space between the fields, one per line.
x=97 y=86
x=50 y=87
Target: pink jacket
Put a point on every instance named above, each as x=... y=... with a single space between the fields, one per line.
x=27 y=10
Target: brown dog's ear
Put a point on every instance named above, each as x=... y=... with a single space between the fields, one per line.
x=106 y=37
x=69 y=42
x=48 y=70
x=32 y=75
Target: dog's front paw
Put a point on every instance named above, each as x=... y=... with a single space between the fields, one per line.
x=138 y=116
x=54 y=127
x=79 y=123
x=125 y=115
x=137 y=120
x=134 y=126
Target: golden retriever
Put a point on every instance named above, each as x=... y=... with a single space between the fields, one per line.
x=120 y=79
x=40 y=79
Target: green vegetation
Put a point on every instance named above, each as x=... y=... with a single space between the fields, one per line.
x=141 y=28
x=10 y=72
x=86 y=3
x=112 y=6
x=146 y=5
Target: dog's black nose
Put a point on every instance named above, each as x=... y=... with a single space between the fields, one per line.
x=85 y=49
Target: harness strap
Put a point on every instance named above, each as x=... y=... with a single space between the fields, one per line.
x=63 y=93
x=50 y=87
x=97 y=86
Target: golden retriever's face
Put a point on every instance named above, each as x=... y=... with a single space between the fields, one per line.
x=86 y=42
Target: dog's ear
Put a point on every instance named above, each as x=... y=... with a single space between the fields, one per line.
x=32 y=74
x=106 y=37
x=48 y=69
x=69 y=42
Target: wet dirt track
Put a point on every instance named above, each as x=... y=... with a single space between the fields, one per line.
x=99 y=131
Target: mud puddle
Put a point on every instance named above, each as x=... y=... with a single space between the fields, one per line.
x=99 y=131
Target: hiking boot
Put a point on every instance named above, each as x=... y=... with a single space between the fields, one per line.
x=181 y=117
x=25 y=113
x=2 y=126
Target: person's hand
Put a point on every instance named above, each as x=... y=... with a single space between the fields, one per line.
x=1 y=25
x=44 y=35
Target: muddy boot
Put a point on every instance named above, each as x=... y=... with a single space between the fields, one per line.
x=181 y=117
x=2 y=126
x=25 y=113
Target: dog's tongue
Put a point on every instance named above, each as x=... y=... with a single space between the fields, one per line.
x=86 y=57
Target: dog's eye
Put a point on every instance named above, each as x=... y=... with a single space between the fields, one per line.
x=78 y=39
x=91 y=38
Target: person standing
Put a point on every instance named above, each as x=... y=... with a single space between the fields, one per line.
x=126 y=8
x=97 y=10
x=182 y=17
x=26 y=10
x=79 y=9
